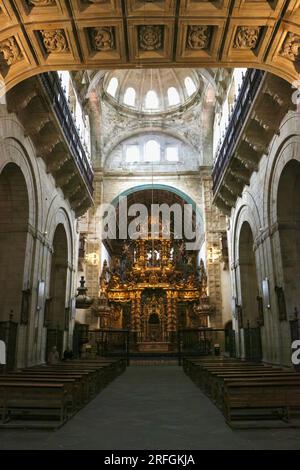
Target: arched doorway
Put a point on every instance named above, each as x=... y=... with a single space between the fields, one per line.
x=56 y=315
x=14 y=215
x=288 y=212
x=288 y=216
x=249 y=319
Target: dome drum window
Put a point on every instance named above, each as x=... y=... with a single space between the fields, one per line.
x=153 y=91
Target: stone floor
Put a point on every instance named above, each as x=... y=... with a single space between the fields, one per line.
x=151 y=408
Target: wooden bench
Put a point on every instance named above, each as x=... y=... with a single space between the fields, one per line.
x=22 y=399
x=74 y=397
x=219 y=381
x=247 y=390
x=56 y=391
x=261 y=399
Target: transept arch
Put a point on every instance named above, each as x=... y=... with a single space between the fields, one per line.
x=56 y=313
x=14 y=218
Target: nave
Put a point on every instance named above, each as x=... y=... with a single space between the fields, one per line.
x=150 y=407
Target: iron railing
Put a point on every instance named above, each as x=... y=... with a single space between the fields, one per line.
x=51 y=84
x=200 y=342
x=251 y=83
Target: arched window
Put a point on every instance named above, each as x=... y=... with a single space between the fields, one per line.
x=190 y=86
x=151 y=101
x=129 y=97
x=132 y=153
x=172 y=153
x=112 y=86
x=173 y=96
x=152 y=151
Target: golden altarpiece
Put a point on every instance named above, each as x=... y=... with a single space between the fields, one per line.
x=153 y=288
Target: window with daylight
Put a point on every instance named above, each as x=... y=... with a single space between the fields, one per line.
x=173 y=96
x=190 y=86
x=152 y=151
x=129 y=97
x=113 y=86
x=132 y=153
x=151 y=101
x=172 y=154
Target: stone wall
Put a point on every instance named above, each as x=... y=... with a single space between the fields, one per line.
x=47 y=209
x=258 y=206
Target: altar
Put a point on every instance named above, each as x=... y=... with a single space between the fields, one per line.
x=152 y=289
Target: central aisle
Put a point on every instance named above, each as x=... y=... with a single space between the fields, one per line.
x=150 y=407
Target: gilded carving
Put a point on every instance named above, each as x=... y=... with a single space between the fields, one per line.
x=198 y=37
x=150 y=37
x=103 y=38
x=291 y=46
x=246 y=37
x=10 y=51
x=55 y=40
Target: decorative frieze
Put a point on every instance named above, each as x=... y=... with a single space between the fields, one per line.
x=150 y=38
x=103 y=38
x=247 y=37
x=290 y=47
x=54 y=41
x=198 y=37
x=10 y=51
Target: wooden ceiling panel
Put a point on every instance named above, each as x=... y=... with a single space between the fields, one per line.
x=41 y=10
x=146 y=9
x=83 y=9
x=194 y=8
x=79 y=34
x=199 y=39
x=102 y=41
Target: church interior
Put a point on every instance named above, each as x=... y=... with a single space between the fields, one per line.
x=149 y=224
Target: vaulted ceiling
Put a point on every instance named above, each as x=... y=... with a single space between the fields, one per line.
x=39 y=35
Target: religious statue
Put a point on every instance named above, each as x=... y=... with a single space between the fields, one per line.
x=105 y=277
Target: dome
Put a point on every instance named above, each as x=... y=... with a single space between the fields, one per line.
x=152 y=91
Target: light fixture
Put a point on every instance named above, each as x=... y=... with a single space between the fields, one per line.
x=82 y=300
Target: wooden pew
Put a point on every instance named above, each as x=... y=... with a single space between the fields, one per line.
x=74 y=397
x=45 y=389
x=237 y=387
x=261 y=399
x=219 y=381
x=22 y=398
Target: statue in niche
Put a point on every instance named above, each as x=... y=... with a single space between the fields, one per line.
x=124 y=261
x=116 y=266
x=105 y=277
x=281 y=303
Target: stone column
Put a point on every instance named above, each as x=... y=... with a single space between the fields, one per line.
x=171 y=322
x=138 y=311
x=215 y=224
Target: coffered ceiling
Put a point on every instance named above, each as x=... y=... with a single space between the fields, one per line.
x=40 y=35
